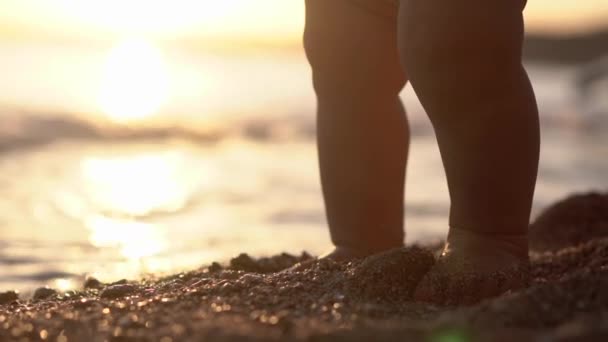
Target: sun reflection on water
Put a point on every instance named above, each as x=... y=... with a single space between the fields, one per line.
x=138 y=185
x=124 y=191
x=136 y=240
x=64 y=284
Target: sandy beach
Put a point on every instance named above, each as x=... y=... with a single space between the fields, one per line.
x=170 y=169
x=254 y=300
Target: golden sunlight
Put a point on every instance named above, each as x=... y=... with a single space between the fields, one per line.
x=138 y=185
x=218 y=20
x=222 y=19
x=124 y=188
x=150 y=16
x=64 y=284
x=135 y=81
x=136 y=240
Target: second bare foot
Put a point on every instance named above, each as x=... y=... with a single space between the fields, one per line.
x=473 y=267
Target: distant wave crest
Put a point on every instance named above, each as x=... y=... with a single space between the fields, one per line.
x=27 y=130
x=24 y=131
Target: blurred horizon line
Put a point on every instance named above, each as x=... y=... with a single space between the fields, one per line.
x=229 y=42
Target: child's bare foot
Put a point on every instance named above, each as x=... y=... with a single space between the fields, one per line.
x=338 y=254
x=475 y=266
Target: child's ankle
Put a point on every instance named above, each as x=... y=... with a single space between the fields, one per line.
x=515 y=244
x=342 y=252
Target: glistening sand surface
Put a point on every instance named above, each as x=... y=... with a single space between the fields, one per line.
x=361 y=301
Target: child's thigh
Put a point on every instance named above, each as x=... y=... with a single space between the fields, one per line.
x=448 y=33
x=350 y=41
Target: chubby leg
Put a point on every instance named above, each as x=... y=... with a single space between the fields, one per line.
x=362 y=129
x=464 y=62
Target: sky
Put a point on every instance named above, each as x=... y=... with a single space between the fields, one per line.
x=274 y=20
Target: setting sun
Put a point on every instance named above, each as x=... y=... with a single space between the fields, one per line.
x=135 y=81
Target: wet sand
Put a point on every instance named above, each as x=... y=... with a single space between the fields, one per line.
x=252 y=300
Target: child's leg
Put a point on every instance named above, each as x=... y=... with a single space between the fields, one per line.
x=362 y=129
x=464 y=61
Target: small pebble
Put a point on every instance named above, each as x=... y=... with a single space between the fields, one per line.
x=117 y=291
x=8 y=297
x=244 y=263
x=44 y=293
x=92 y=283
x=215 y=267
x=120 y=282
x=251 y=278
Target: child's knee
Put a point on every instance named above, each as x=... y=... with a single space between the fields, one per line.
x=330 y=59
x=456 y=53
x=342 y=66
x=350 y=55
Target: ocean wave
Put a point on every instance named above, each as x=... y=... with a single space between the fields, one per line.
x=20 y=130
x=24 y=131
x=31 y=130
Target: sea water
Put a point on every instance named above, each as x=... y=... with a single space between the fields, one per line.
x=227 y=165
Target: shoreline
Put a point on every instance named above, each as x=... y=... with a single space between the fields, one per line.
x=251 y=300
